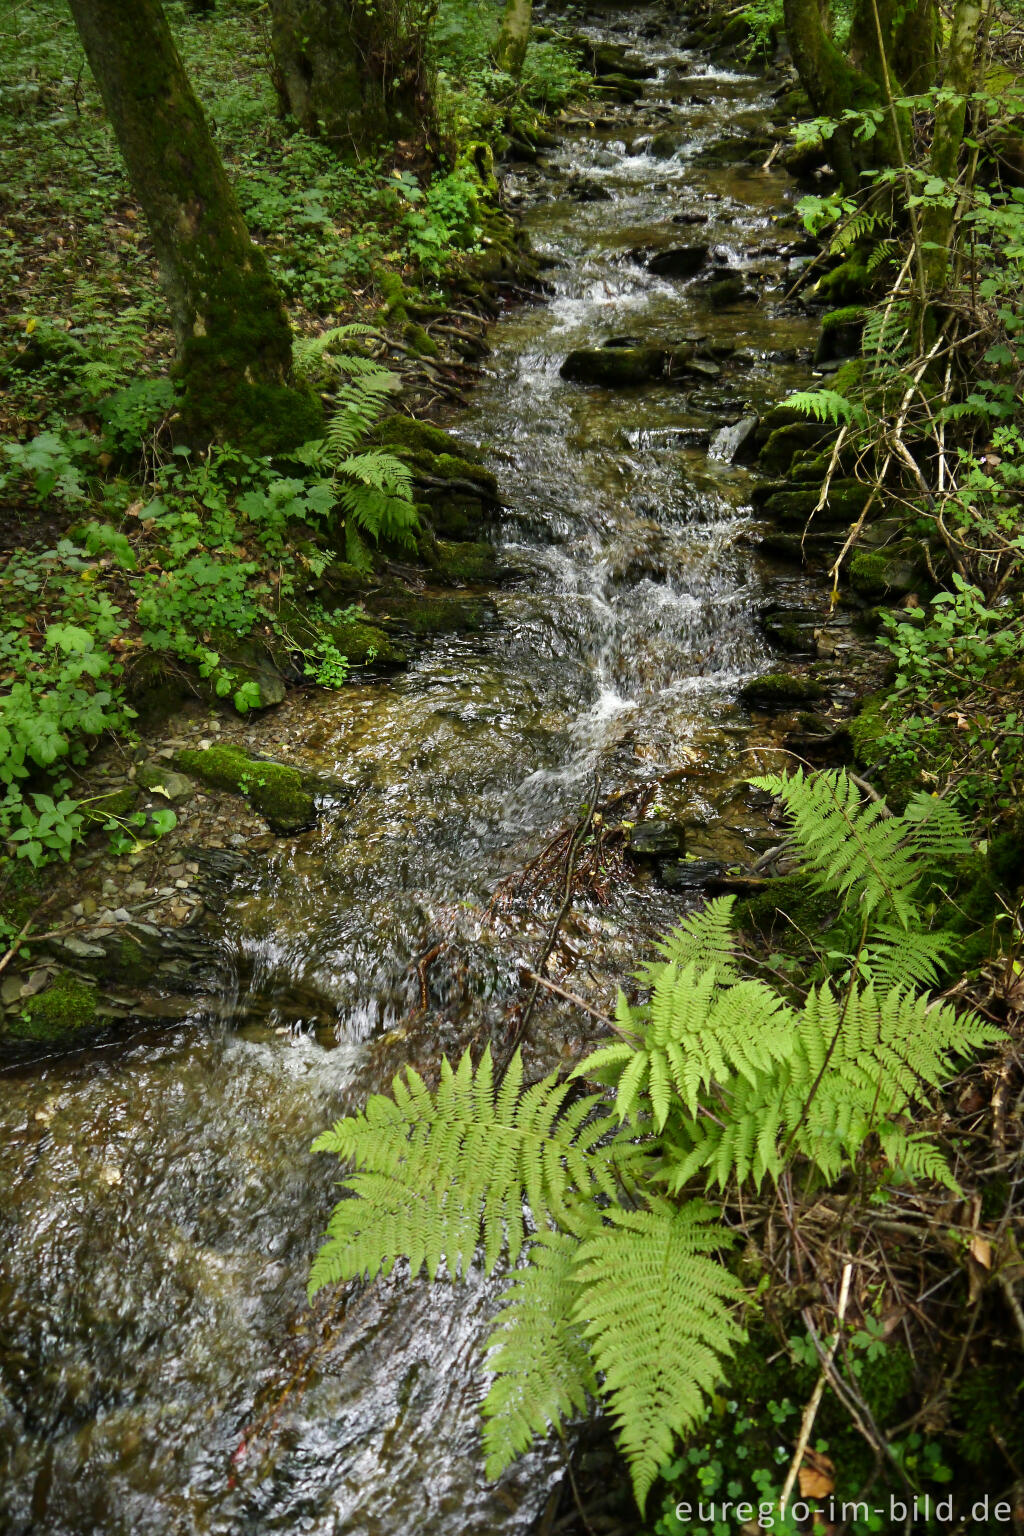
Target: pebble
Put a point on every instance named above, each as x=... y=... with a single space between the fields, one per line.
x=182 y=885
x=137 y=888
x=121 y=915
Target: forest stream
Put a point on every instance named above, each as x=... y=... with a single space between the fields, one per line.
x=159 y=1205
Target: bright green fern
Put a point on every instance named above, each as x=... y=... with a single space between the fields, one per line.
x=372 y=487
x=596 y=1203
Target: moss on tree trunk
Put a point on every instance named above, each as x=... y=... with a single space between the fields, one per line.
x=510 y=49
x=353 y=72
x=948 y=137
x=234 y=341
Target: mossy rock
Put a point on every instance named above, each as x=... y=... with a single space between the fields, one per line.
x=418 y=340
x=615 y=367
x=361 y=642
x=780 y=690
x=621 y=87
x=723 y=292
x=364 y=644
x=466 y=563
x=846 y=284
x=117 y=802
x=66 y=1007
x=845 y=502
x=429 y=614
x=783 y=442
x=22 y=888
x=787 y=904
x=898 y=779
x=276 y=790
x=418 y=436
x=878 y=574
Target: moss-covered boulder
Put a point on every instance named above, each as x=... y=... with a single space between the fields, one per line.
x=276 y=790
x=787 y=908
x=845 y=502
x=725 y=291
x=879 y=574
x=356 y=637
x=780 y=690
x=466 y=562
x=784 y=441
x=66 y=1008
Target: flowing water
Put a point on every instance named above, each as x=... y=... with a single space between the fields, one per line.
x=158 y=1204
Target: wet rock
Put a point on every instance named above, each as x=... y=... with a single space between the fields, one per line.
x=587 y=192
x=747 y=149
x=276 y=790
x=723 y=292
x=791 y=629
x=693 y=218
x=615 y=367
x=622 y=87
x=420 y=614
x=664 y=145
x=656 y=840
x=610 y=61
x=678 y=261
x=690 y=874
x=780 y=690
x=729 y=445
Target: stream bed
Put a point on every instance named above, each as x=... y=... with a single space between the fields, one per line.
x=158 y=1203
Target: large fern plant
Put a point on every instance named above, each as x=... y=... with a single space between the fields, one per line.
x=596 y=1203
x=372 y=488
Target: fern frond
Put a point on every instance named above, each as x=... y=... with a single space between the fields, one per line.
x=435 y=1170
x=703 y=939
x=903 y=957
x=854 y=1066
x=850 y=847
x=656 y=1308
x=542 y=1368
x=692 y=1033
x=825 y=405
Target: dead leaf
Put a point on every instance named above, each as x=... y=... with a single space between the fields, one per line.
x=817 y=1476
x=981 y=1249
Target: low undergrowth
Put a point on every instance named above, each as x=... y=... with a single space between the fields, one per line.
x=131 y=566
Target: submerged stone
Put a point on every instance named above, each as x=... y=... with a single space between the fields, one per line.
x=656 y=839
x=690 y=874
x=614 y=367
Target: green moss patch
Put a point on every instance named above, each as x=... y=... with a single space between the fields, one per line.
x=780 y=690
x=277 y=791
x=64 y=1008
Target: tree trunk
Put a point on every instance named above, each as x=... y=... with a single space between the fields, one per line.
x=910 y=33
x=234 y=341
x=948 y=137
x=833 y=84
x=354 y=74
x=510 y=49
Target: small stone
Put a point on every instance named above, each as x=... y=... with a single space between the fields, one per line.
x=655 y=839
x=205 y=744
x=36 y=982
x=10 y=990
x=179 y=912
x=78 y=910
x=182 y=885
x=136 y=888
x=121 y=915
